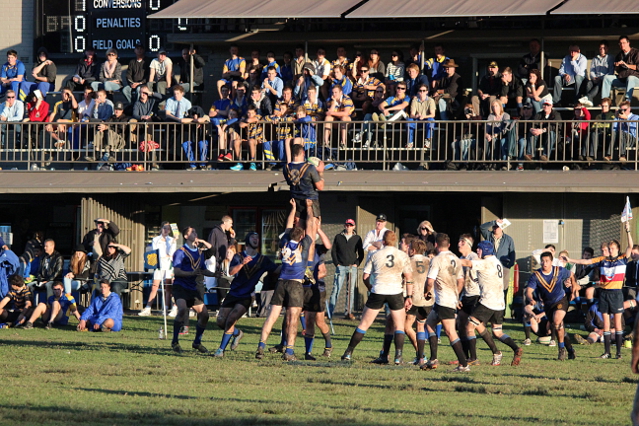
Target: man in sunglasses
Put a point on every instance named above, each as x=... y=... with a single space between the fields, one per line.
x=624 y=132
x=12 y=110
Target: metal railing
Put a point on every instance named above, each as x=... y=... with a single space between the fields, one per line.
x=363 y=144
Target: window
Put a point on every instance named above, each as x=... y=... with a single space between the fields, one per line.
x=269 y=223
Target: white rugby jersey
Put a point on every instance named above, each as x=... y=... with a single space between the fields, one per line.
x=490 y=273
x=471 y=287
x=387 y=266
x=420 y=265
x=446 y=269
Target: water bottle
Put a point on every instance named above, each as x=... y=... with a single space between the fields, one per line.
x=161 y=333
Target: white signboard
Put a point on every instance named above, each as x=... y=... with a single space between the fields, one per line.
x=551 y=231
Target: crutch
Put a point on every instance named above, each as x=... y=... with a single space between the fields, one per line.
x=330 y=317
x=166 y=331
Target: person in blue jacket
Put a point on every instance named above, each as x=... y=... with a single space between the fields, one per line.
x=104 y=313
x=9 y=265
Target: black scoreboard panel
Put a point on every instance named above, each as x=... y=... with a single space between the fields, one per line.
x=72 y=26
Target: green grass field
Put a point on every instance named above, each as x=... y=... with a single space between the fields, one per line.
x=62 y=377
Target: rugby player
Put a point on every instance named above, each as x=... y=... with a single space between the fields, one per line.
x=56 y=310
x=490 y=307
x=447 y=277
x=422 y=303
x=247 y=267
x=188 y=264
x=387 y=266
x=612 y=271
x=470 y=294
x=549 y=282
x=294 y=251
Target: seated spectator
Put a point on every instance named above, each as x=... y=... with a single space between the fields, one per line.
x=255 y=62
x=110 y=78
x=626 y=67
x=322 y=67
x=111 y=267
x=254 y=136
x=272 y=85
x=185 y=70
x=96 y=241
x=56 y=310
x=536 y=90
x=105 y=312
x=414 y=54
x=286 y=70
x=229 y=135
x=340 y=78
x=79 y=270
x=366 y=135
x=146 y=108
x=281 y=132
x=177 y=107
x=602 y=65
x=64 y=111
x=422 y=108
x=313 y=105
x=233 y=71
x=342 y=60
x=31 y=249
x=11 y=111
x=270 y=62
x=299 y=60
x=199 y=132
x=253 y=79
x=496 y=137
x=447 y=90
x=50 y=269
x=543 y=132
x=220 y=109
x=160 y=73
x=261 y=102
x=16 y=306
x=86 y=72
x=338 y=108
x=43 y=73
x=531 y=60
x=520 y=131
x=489 y=90
x=396 y=68
x=239 y=101
x=12 y=74
x=137 y=75
x=466 y=144
x=601 y=132
x=577 y=135
x=572 y=71
x=375 y=65
x=287 y=102
x=305 y=133
x=357 y=64
x=37 y=108
x=512 y=90
x=86 y=105
x=393 y=108
x=103 y=109
x=306 y=80
x=9 y=265
x=624 y=131
x=111 y=136
x=414 y=80
x=434 y=67
x=364 y=90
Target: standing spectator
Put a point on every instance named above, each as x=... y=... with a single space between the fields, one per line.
x=536 y=90
x=396 y=68
x=234 y=70
x=111 y=267
x=347 y=253
x=12 y=73
x=286 y=70
x=97 y=240
x=165 y=245
x=307 y=79
x=44 y=73
x=137 y=75
x=572 y=71
x=221 y=237
x=110 y=74
x=50 y=268
x=434 y=67
x=422 y=108
x=504 y=247
x=270 y=62
x=373 y=240
x=624 y=131
x=105 y=312
x=602 y=65
x=322 y=67
x=86 y=72
x=448 y=88
x=9 y=265
x=626 y=63
x=489 y=90
x=79 y=270
x=375 y=65
x=185 y=70
x=299 y=60
x=161 y=73
x=427 y=234
x=272 y=85
x=531 y=60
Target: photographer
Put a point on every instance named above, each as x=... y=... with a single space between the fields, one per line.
x=624 y=132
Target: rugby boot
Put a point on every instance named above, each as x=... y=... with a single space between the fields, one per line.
x=517 y=358
x=563 y=354
x=260 y=353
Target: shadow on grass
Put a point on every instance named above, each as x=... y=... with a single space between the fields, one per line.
x=101 y=346
x=144 y=394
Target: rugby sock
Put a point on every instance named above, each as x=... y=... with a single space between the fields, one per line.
x=421 y=342
x=225 y=340
x=489 y=341
x=471 y=343
x=438 y=330
x=507 y=340
x=527 y=329
x=177 y=325
x=236 y=332
x=457 y=347
x=283 y=341
x=399 y=340
x=262 y=345
x=308 y=341
x=619 y=339
x=303 y=321
x=561 y=345
x=357 y=337
x=289 y=350
x=553 y=334
x=465 y=345
x=591 y=302
x=567 y=342
x=388 y=339
x=432 y=340
x=327 y=339
x=199 y=331
x=607 y=341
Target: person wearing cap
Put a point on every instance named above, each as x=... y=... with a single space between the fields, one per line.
x=347 y=254
x=43 y=73
x=137 y=75
x=373 y=240
x=50 y=269
x=97 y=240
x=512 y=90
x=79 y=270
x=571 y=72
x=544 y=131
x=234 y=70
x=110 y=78
x=489 y=89
x=448 y=89
x=307 y=79
x=111 y=135
x=503 y=247
x=490 y=307
x=160 y=73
